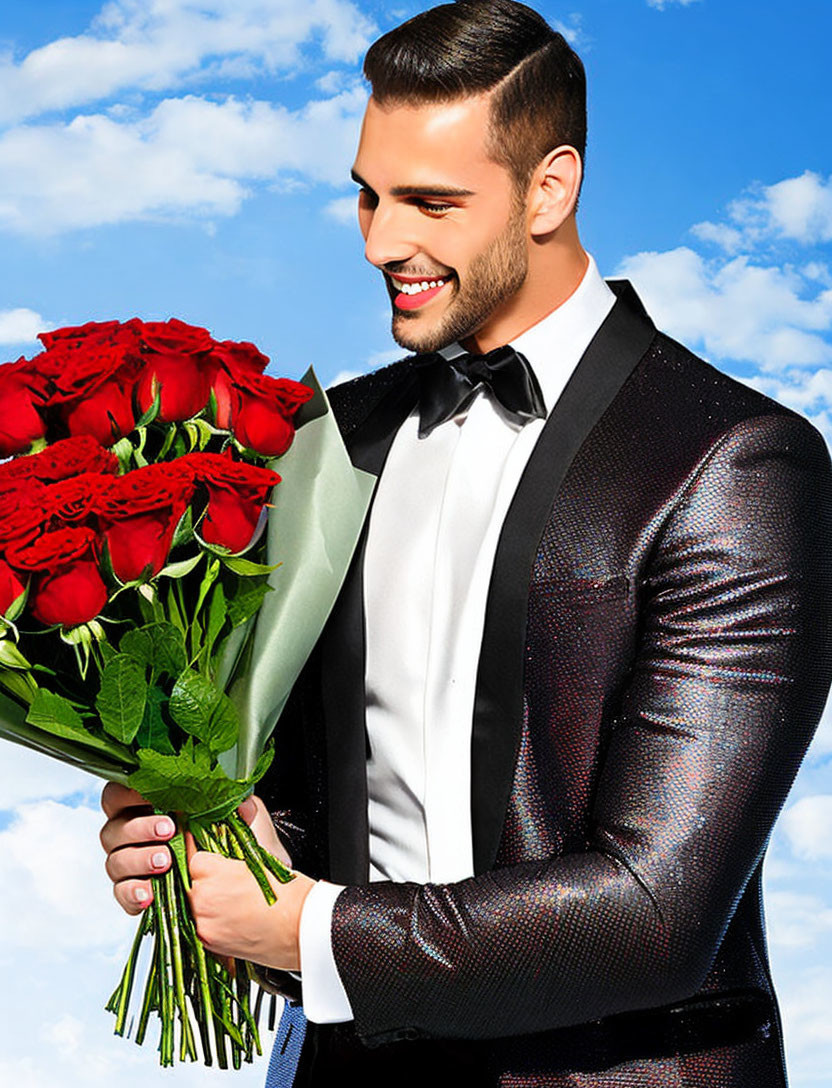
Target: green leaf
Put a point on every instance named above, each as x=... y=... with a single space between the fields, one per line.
x=17 y=605
x=191 y=782
x=56 y=715
x=153 y=732
x=152 y=411
x=138 y=449
x=246 y=601
x=204 y=712
x=184 y=532
x=208 y=580
x=199 y=432
x=168 y=442
x=121 y=701
x=123 y=449
x=181 y=568
x=246 y=567
x=217 y=610
x=157 y=645
x=173 y=609
x=20 y=684
x=11 y=657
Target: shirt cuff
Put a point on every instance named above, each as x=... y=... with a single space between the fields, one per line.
x=325 y=1000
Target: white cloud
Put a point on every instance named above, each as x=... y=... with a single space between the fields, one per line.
x=735 y=309
x=53 y=880
x=806 y=825
x=21 y=326
x=154 y=45
x=189 y=158
x=796 y=209
x=662 y=4
x=796 y=920
x=343 y=210
x=808 y=1025
x=30 y=776
x=64 y=944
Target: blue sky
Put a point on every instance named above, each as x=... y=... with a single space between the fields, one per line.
x=190 y=159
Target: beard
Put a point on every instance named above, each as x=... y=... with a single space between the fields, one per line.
x=493 y=277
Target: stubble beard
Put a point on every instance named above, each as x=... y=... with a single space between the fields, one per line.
x=494 y=276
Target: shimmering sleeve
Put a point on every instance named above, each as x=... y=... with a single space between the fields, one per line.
x=725 y=689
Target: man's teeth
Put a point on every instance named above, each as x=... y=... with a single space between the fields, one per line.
x=417 y=288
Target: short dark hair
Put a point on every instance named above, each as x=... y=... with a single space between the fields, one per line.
x=473 y=46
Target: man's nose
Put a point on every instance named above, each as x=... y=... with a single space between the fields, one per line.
x=387 y=237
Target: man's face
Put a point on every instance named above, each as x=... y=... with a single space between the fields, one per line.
x=440 y=219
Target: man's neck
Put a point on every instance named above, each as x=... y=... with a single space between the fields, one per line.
x=555 y=272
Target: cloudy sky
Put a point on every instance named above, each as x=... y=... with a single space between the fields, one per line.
x=190 y=158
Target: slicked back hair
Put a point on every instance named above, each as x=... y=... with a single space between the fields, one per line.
x=474 y=46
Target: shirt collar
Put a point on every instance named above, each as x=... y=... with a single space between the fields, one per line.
x=556 y=343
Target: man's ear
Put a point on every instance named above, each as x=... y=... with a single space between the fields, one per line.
x=553 y=192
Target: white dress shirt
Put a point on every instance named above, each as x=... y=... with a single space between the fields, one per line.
x=436 y=518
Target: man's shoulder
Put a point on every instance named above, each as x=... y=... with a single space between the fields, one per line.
x=353 y=400
x=695 y=386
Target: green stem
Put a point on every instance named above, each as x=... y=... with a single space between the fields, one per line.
x=163 y=944
x=149 y=1002
x=252 y=847
x=126 y=986
x=187 y=1046
x=197 y=951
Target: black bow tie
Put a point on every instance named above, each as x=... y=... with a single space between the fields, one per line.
x=446 y=386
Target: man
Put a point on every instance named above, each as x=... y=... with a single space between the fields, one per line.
x=577 y=660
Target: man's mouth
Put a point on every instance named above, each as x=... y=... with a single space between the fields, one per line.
x=409 y=293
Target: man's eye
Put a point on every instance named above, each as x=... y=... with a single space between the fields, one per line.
x=433 y=207
x=367 y=198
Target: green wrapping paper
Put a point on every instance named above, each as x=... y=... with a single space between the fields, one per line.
x=320 y=506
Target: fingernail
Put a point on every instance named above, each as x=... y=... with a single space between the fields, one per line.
x=141 y=895
x=164 y=827
x=160 y=860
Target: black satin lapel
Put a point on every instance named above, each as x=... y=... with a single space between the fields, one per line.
x=343 y=662
x=612 y=355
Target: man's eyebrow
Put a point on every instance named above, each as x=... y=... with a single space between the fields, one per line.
x=416 y=190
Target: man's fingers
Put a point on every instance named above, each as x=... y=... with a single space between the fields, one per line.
x=115 y=797
x=129 y=829
x=248 y=810
x=134 y=896
x=137 y=862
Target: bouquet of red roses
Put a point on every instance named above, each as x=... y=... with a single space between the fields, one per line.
x=133 y=565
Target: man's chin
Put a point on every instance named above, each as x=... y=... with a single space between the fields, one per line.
x=421 y=341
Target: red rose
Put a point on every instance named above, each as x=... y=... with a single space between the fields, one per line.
x=94 y=368
x=70 y=457
x=262 y=410
x=90 y=337
x=23 y=512
x=107 y=414
x=234 y=359
x=140 y=514
x=70 y=589
x=237 y=493
x=22 y=394
x=176 y=365
x=73 y=500
x=10 y=587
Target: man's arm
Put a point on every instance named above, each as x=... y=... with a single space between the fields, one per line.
x=727 y=686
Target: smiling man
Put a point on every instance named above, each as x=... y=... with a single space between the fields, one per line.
x=530 y=772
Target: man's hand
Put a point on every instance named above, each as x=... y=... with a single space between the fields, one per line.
x=232 y=916
x=134 y=839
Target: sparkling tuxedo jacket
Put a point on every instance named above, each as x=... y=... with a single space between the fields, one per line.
x=655 y=658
